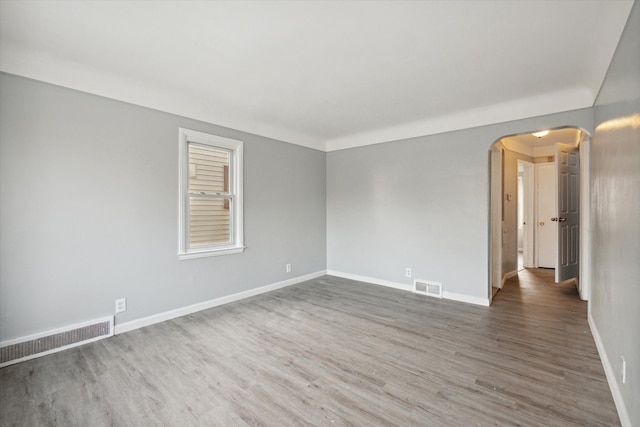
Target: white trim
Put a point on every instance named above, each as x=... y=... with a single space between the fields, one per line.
x=469 y=299
x=407 y=287
x=528 y=187
x=496 y=235
x=236 y=147
x=584 y=275
x=183 y=311
x=612 y=378
x=508 y=276
x=211 y=252
x=372 y=280
x=54 y=332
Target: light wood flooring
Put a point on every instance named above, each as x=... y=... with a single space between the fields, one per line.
x=333 y=352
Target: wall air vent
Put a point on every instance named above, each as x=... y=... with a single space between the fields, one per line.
x=425 y=287
x=21 y=349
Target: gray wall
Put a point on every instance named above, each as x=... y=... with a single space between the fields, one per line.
x=89 y=204
x=615 y=303
x=420 y=203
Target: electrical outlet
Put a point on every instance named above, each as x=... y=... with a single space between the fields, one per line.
x=288 y=268
x=121 y=305
x=624 y=370
x=407 y=272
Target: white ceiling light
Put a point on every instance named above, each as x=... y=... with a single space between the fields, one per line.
x=540 y=134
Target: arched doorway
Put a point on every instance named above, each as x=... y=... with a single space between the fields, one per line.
x=515 y=216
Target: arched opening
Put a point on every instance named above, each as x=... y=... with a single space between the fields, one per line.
x=539 y=205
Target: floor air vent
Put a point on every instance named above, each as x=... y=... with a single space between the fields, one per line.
x=433 y=289
x=33 y=346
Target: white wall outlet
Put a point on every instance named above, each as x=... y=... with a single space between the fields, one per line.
x=624 y=370
x=288 y=268
x=121 y=305
x=407 y=272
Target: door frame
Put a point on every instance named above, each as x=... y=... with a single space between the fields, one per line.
x=584 y=269
x=528 y=186
x=495 y=169
x=584 y=279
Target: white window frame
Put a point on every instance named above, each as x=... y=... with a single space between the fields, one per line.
x=236 y=245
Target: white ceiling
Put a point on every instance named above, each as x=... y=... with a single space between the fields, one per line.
x=327 y=75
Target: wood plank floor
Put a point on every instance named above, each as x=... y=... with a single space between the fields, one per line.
x=333 y=352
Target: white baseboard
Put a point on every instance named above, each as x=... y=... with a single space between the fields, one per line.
x=407 y=287
x=373 y=280
x=612 y=378
x=469 y=299
x=183 y=311
x=508 y=276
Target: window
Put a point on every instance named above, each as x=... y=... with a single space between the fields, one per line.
x=210 y=214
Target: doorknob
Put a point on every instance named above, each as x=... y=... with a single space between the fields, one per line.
x=541 y=222
x=562 y=219
x=554 y=219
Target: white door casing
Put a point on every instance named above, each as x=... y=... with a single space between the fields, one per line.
x=528 y=215
x=568 y=218
x=546 y=233
x=584 y=274
x=495 y=162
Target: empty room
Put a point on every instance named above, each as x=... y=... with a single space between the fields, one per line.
x=274 y=213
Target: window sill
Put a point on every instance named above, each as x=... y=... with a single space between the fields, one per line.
x=211 y=252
